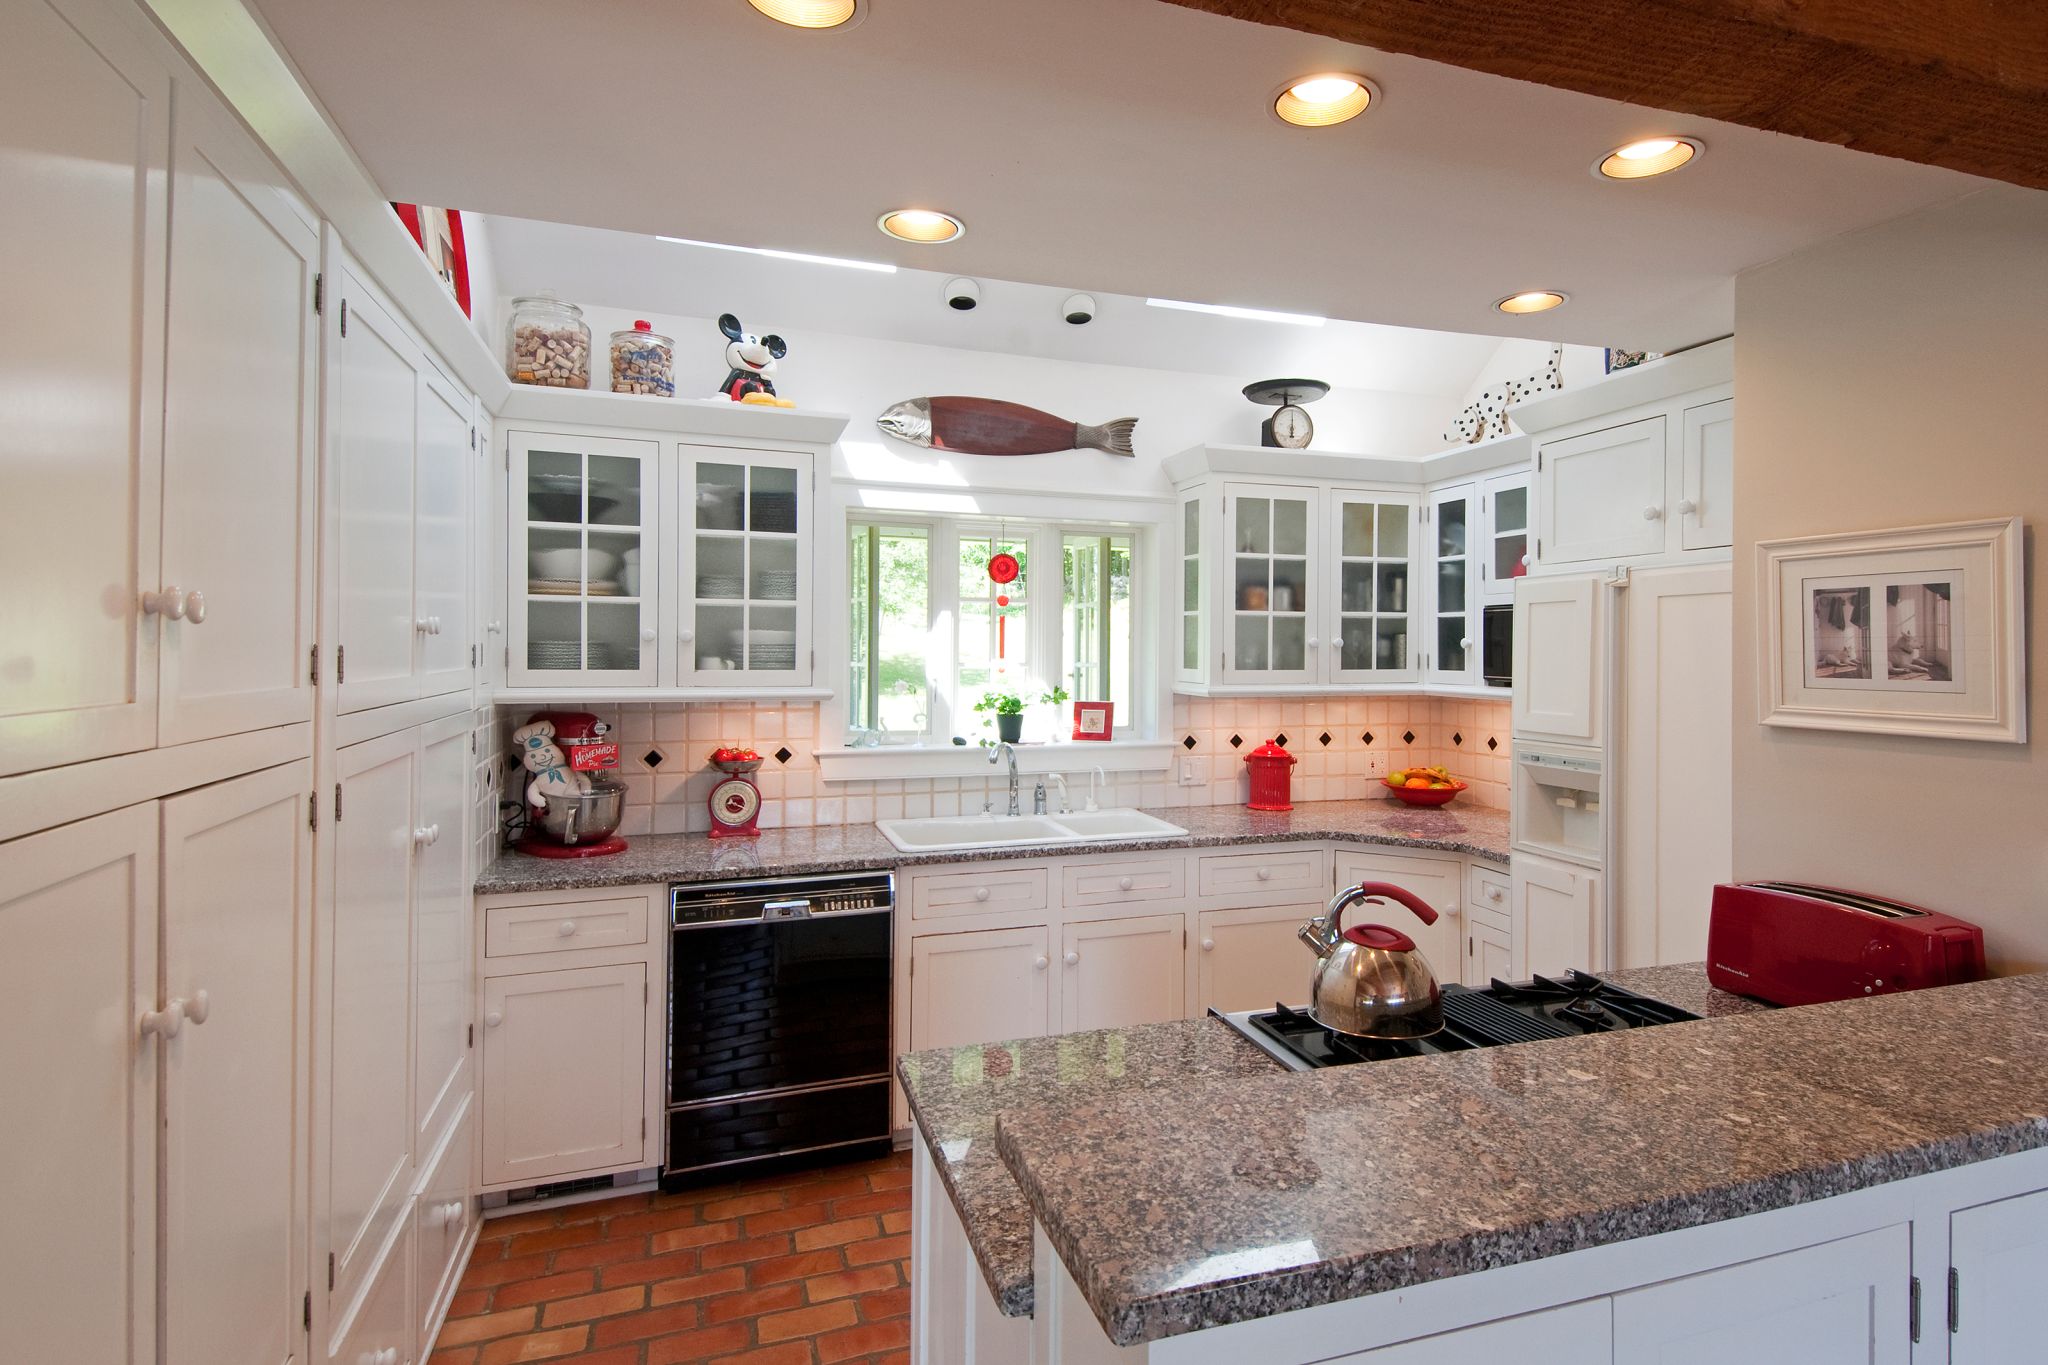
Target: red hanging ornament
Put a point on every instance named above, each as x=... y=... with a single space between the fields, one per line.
x=1002 y=568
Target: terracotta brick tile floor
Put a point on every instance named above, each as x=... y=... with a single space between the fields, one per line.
x=809 y=1268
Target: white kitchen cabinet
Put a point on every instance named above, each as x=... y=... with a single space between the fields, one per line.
x=1504 y=514
x=1999 y=1255
x=364 y=1097
x=1274 y=595
x=237 y=915
x=78 y=967
x=1843 y=1302
x=445 y=452
x=1438 y=882
x=380 y=1330
x=1195 y=593
x=744 y=569
x=1580 y=1331
x=1489 y=952
x=1252 y=959
x=444 y=1214
x=440 y=931
x=1706 y=506
x=1556 y=918
x=1371 y=576
x=87 y=109
x=585 y=555
x=1600 y=496
x=1117 y=973
x=565 y=1073
x=240 y=461
x=979 y=987
x=1558 y=684
x=1454 y=531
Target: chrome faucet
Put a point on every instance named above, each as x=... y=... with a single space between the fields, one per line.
x=1038 y=798
x=1001 y=751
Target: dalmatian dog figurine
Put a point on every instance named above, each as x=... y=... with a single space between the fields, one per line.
x=542 y=757
x=750 y=364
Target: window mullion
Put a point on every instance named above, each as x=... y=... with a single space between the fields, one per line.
x=942 y=647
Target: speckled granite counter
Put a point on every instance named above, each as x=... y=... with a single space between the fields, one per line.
x=956 y=1095
x=808 y=849
x=1220 y=1201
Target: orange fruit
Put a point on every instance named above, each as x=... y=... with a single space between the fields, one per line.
x=1417 y=782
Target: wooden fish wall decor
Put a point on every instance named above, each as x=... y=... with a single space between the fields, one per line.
x=989 y=426
x=1489 y=416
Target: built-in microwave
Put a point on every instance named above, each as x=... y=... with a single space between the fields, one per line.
x=1497 y=645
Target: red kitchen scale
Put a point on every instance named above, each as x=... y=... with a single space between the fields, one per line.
x=735 y=800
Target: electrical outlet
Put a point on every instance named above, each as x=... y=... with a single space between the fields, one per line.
x=1194 y=770
x=1375 y=763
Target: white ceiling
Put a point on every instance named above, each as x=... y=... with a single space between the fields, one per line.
x=1115 y=145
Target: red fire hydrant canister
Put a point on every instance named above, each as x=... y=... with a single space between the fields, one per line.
x=1272 y=769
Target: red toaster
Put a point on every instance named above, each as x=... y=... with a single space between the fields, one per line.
x=1802 y=945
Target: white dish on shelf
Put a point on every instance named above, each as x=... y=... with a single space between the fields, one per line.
x=569 y=562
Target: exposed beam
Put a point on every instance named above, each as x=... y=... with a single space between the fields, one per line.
x=1955 y=83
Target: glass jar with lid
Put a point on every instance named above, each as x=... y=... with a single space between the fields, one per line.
x=547 y=343
x=643 y=361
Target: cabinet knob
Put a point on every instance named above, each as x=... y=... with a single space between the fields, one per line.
x=1337 y=642
x=1265 y=874
x=981 y=893
x=422 y=836
x=1493 y=893
x=493 y=1019
x=647 y=635
x=494 y=627
x=1039 y=963
x=195 y=607
x=1072 y=958
x=164 y=1023
x=566 y=929
x=1123 y=883
x=197 y=1008
x=433 y=834
x=686 y=636
x=1208 y=945
x=1465 y=643
x=170 y=603
x=422 y=626
x=1652 y=512
x=1312 y=642
x=1686 y=507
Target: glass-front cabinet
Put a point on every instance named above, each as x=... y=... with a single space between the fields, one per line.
x=1504 y=501
x=1269 y=635
x=744 y=603
x=1449 y=637
x=585 y=558
x=1373 y=553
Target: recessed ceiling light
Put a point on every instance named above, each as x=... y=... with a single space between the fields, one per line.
x=1534 y=301
x=923 y=226
x=1224 y=310
x=1321 y=100
x=809 y=13
x=879 y=267
x=1648 y=157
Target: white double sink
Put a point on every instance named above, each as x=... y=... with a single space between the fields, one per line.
x=947 y=833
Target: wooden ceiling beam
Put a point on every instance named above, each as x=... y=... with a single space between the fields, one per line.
x=1955 y=83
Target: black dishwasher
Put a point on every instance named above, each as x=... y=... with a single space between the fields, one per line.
x=778 y=1022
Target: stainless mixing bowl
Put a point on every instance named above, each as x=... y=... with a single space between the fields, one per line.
x=570 y=819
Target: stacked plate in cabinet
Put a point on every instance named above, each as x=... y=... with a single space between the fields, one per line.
x=720 y=585
x=772 y=649
x=775 y=584
x=554 y=655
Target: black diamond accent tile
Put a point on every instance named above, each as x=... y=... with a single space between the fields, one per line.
x=1280 y=740
x=1457 y=738
x=783 y=755
x=1324 y=737
x=1367 y=737
x=1236 y=741
x=1407 y=736
x=1188 y=743
x=653 y=758
x=1492 y=743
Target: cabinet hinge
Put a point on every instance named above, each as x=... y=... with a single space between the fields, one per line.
x=1539 y=462
x=330 y=1270
x=643 y=1127
x=306 y=1311
x=337 y=803
x=319 y=291
x=1913 y=1306
x=472 y=438
x=472 y=1035
x=1955 y=1299
x=472 y=656
x=344 y=317
x=340 y=663
x=313 y=810
x=313 y=666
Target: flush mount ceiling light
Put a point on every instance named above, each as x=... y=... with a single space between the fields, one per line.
x=926 y=227
x=813 y=14
x=1650 y=156
x=1324 y=99
x=1533 y=301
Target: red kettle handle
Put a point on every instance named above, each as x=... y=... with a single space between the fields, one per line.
x=1388 y=891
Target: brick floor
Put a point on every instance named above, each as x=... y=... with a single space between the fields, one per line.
x=810 y=1268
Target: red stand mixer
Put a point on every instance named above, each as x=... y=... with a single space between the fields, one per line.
x=575 y=805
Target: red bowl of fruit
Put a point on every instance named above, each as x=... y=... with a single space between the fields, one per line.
x=1423 y=786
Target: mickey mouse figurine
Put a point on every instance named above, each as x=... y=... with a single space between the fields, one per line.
x=750 y=362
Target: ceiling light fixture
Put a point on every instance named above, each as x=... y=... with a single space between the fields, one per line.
x=879 y=267
x=812 y=14
x=925 y=227
x=1650 y=156
x=1224 y=310
x=1322 y=100
x=1533 y=301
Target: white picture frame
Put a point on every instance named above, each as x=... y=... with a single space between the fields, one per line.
x=1918 y=631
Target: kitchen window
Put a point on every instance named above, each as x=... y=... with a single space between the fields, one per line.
x=931 y=633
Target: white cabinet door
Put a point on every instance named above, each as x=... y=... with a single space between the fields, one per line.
x=2000 y=1255
x=373 y=390
x=1676 y=792
x=1439 y=882
x=1373 y=590
x=1840 y=1303
x=1252 y=959
x=1271 y=612
x=1556 y=918
x=241 y=408
x=443 y=1212
x=440 y=929
x=564 y=1072
x=1195 y=594
x=1489 y=953
x=1581 y=1331
x=363 y=1106
x=1557 y=689
x=86 y=110
x=1601 y=496
x=1116 y=973
x=1504 y=513
x=978 y=988
x=237 y=912
x=745 y=568
x=441 y=529
x=78 y=968
x=1707 y=459
x=1453 y=533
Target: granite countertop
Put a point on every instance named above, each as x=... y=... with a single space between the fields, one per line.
x=957 y=1094
x=1218 y=1201
x=807 y=849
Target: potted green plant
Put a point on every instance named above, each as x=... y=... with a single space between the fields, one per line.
x=1009 y=712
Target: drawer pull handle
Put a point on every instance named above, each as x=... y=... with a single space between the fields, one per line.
x=1123 y=883
x=1040 y=964
x=981 y=893
x=1265 y=874
x=1072 y=959
x=493 y=1019
x=566 y=929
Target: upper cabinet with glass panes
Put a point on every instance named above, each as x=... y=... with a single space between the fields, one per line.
x=745 y=604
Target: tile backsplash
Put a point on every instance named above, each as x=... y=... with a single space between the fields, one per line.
x=663 y=747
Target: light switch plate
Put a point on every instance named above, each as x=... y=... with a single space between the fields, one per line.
x=1194 y=770
x=1375 y=763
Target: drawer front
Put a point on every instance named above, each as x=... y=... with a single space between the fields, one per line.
x=1488 y=894
x=518 y=930
x=379 y=1331
x=850 y=1119
x=443 y=1214
x=1150 y=879
x=980 y=891
x=1288 y=874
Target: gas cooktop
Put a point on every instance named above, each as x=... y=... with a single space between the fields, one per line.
x=1500 y=1014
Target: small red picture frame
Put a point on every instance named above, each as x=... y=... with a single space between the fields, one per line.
x=1094 y=719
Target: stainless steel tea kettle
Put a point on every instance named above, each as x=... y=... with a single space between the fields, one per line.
x=1371 y=981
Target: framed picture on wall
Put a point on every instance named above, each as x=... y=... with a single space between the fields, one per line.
x=1094 y=719
x=1920 y=631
